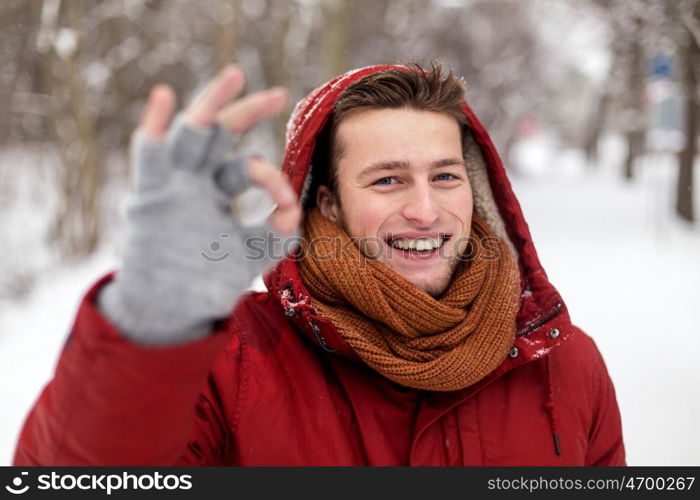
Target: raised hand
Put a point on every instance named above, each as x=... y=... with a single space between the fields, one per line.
x=168 y=288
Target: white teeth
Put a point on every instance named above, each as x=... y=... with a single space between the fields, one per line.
x=421 y=245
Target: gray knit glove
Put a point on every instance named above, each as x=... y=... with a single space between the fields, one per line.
x=185 y=260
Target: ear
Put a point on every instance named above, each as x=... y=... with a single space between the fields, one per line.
x=327 y=202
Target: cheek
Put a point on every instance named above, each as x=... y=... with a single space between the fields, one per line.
x=366 y=221
x=368 y=225
x=465 y=212
x=461 y=209
x=363 y=213
x=459 y=203
x=364 y=217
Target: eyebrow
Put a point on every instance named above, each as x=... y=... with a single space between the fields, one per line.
x=381 y=166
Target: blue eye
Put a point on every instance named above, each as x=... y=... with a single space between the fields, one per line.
x=381 y=182
x=441 y=177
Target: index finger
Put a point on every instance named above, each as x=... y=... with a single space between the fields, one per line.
x=157 y=113
x=244 y=113
x=204 y=109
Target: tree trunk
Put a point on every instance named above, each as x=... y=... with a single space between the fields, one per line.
x=636 y=131
x=76 y=226
x=594 y=128
x=335 y=37
x=684 y=188
x=226 y=35
x=281 y=71
x=635 y=148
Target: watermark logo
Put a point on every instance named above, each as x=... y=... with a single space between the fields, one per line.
x=17 y=488
x=272 y=247
x=215 y=248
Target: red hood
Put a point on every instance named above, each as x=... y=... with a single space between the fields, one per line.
x=540 y=303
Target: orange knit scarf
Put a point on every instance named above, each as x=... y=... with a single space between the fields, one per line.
x=401 y=331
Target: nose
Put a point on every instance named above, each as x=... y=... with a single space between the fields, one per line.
x=421 y=206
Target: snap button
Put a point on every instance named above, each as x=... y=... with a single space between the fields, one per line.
x=553 y=333
x=513 y=352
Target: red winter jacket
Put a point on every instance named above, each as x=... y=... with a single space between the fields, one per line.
x=277 y=385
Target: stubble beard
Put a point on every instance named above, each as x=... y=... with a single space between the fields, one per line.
x=436 y=287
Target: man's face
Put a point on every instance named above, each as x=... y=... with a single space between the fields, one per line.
x=403 y=192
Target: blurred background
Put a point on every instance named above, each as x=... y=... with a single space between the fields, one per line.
x=593 y=104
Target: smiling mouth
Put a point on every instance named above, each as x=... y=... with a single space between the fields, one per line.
x=418 y=246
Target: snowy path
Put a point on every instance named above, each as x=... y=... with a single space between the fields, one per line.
x=630 y=276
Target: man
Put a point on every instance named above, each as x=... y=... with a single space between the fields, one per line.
x=413 y=325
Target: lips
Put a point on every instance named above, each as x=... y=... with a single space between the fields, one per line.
x=416 y=243
x=421 y=244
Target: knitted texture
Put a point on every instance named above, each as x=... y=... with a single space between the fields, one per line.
x=410 y=337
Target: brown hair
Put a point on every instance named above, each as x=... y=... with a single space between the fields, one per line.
x=412 y=87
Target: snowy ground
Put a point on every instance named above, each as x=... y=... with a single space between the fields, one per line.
x=628 y=272
x=630 y=275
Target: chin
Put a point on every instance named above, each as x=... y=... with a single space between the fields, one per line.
x=436 y=283
x=432 y=285
x=434 y=289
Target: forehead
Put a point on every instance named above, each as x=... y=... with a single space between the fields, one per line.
x=414 y=136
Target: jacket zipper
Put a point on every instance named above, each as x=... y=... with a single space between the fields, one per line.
x=534 y=326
